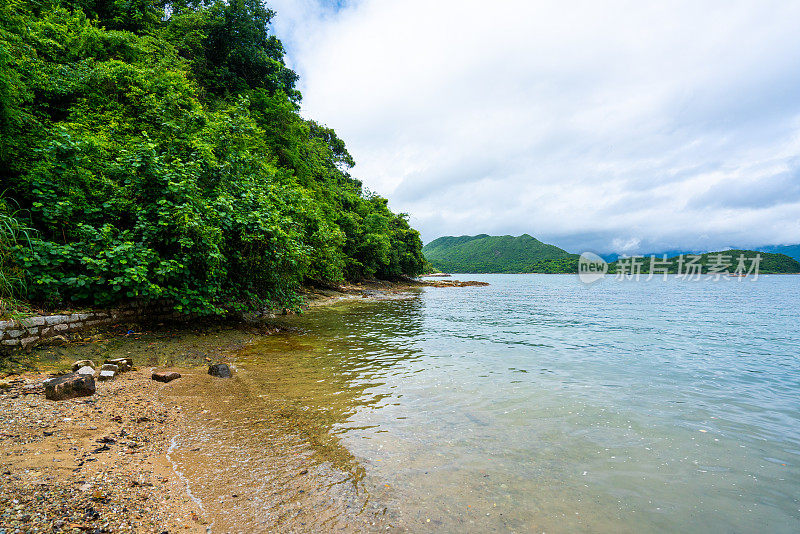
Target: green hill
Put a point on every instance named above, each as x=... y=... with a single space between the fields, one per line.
x=497 y=254
x=769 y=264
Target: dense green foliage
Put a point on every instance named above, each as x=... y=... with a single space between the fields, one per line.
x=793 y=251
x=726 y=261
x=563 y=266
x=156 y=149
x=497 y=254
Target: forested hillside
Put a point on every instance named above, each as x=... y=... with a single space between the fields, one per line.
x=498 y=254
x=154 y=149
x=793 y=251
x=726 y=261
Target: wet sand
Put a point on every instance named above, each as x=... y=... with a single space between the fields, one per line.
x=199 y=454
x=96 y=464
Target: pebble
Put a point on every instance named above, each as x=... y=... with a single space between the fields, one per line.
x=84 y=493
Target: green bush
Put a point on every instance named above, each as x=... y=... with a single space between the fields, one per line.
x=165 y=158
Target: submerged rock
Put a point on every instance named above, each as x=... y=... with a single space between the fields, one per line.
x=165 y=376
x=82 y=363
x=69 y=387
x=220 y=370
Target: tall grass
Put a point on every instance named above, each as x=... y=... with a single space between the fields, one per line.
x=13 y=284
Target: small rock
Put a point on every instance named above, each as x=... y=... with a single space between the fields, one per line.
x=124 y=364
x=82 y=363
x=110 y=367
x=107 y=374
x=69 y=387
x=165 y=376
x=220 y=370
x=87 y=370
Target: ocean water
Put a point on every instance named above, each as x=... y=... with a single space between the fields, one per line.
x=539 y=404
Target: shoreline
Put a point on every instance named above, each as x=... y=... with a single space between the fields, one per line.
x=96 y=463
x=30 y=327
x=107 y=462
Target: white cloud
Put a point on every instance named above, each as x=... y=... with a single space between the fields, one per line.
x=669 y=125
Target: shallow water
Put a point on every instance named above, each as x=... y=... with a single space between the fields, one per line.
x=540 y=404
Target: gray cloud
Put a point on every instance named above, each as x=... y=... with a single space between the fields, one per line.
x=592 y=125
x=760 y=193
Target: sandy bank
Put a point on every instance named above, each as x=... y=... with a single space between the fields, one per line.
x=96 y=464
x=144 y=456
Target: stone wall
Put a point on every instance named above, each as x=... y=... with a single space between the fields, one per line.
x=25 y=333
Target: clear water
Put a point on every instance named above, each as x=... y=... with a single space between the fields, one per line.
x=538 y=404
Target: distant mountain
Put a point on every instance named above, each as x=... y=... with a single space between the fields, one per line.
x=613 y=256
x=793 y=251
x=497 y=254
x=770 y=263
x=525 y=254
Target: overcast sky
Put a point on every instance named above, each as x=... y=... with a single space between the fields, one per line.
x=607 y=126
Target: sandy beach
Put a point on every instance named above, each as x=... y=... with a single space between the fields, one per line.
x=146 y=456
x=91 y=464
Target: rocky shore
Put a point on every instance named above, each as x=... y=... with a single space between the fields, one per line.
x=90 y=464
x=89 y=427
x=456 y=283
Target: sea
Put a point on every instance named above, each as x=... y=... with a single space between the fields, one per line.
x=539 y=403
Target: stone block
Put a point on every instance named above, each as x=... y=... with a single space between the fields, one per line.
x=32 y=321
x=165 y=376
x=82 y=363
x=69 y=387
x=86 y=371
x=106 y=375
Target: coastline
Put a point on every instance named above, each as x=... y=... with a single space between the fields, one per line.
x=96 y=464
x=123 y=460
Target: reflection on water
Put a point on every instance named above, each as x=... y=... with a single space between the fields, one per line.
x=534 y=404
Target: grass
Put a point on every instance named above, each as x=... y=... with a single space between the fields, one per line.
x=13 y=284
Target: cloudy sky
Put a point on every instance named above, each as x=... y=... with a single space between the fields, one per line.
x=606 y=126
